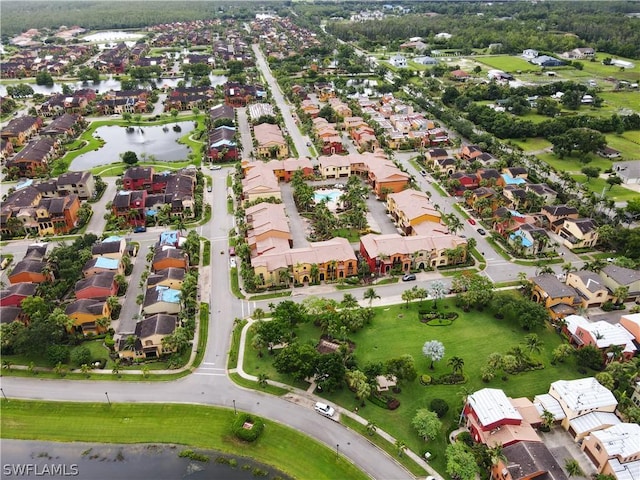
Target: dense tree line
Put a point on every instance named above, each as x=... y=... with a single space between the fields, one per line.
x=515 y=25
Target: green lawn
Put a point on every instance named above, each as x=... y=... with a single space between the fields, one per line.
x=623 y=99
x=628 y=144
x=573 y=163
x=507 y=63
x=190 y=425
x=598 y=69
x=396 y=331
x=598 y=185
x=532 y=144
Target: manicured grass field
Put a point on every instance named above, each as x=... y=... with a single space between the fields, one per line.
x=625 y=144
x=532 y=144
x=507 y=63
x=573 y=163
x=190 y=425
x=396 y=331
x=598 y=185
x=597 y=68
x=623 y=99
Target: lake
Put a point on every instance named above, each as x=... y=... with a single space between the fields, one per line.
x=144 y=141
x=114 y=462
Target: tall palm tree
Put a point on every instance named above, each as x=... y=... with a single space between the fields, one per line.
x=533 y=343
x=370 y=294
x=496 y=454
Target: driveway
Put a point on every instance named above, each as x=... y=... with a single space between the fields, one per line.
x=297 y=224
x=97 y=221
x=245 y=131
x=563 y=448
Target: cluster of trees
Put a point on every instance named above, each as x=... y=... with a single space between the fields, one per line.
x=528 y=314
x=606 y=29
x=473 y=290
x=517 y=359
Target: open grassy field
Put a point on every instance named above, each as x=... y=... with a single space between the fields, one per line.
x=507 y=63
x=473 y=336
x=622 y=99
x=628 y=144
x=532 y=144
x=573 y=163
x=190 y=425
x=597 y=68
x=598 y=185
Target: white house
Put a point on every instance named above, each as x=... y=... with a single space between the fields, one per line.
x=529 y=53
x=581 y=396
x=398 y=61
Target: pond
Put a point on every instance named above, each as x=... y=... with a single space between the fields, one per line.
x=161 y=141
x=160 y=462
x=105 y=85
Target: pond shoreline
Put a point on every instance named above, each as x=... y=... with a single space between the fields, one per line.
x=95 y=461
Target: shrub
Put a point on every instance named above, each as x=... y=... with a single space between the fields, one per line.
x=80 y=356
x=465 y=437
x=439 y=406
x=393 y=403
x=425 y=379
x=380 y=402
x=247 y=427
x=57 y=354
x=190 y=454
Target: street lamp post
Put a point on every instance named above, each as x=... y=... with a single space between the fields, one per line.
x=235 y=412
x=4 y=394
x=337 y=450
x=107 y=395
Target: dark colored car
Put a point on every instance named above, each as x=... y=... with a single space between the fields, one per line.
x=140 y=229
x=481 y=231
x=408 y=277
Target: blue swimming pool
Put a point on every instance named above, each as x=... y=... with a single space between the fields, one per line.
x=331 y=195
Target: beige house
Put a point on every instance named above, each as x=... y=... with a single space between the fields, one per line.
x=260 y=182
x=149 y=333
x=267 y=228
x=579 y=233
x=580 y=397
x=615 y=450
x=111 y=247
x=615 y=277
x=161 y=299
x=335 y=166
x=410 y=208
x=270 y=141
x=589 y=286
x=171 y=277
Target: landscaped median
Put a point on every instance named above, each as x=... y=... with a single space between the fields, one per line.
x=190 y=425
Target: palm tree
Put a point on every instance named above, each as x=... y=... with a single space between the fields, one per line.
x=371 y=428
x=400 y=447
x=533 y=343
x=263 y=380
x=85 y=369
x=371 y=295
x=116 y=367
x=621 y=294
x=145 y=371
x=573 y=468
x=547 y=419
x=457 y=365
x=258 y=314
x=496 y=454
x=349 y=301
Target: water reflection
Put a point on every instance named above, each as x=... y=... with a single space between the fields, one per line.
x=159 y=141
x=109 y=84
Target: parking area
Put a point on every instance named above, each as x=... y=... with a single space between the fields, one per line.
x=563 y=448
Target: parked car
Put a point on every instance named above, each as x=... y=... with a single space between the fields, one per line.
x=209 y=188
x=472 y=221
x=481 y=231
x=423 y=173
x=324 y=409
x=408 y=277
x=140 y=229
x=215 y=167
x=308 y=144
x=232 y=262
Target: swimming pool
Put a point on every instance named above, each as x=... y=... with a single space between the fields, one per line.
x=330 y=195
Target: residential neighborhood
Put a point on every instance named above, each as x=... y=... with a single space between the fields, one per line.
x=417 y=221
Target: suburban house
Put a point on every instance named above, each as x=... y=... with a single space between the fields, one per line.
x=63 y=126
x=530 y=239
x=168 y=277
x=629 y=172
x=137 y=178
x=590 y=286
x=602 y=335
x=320 y=261
x=581 y=397
x=411 y=207
x=556 y=215
x=615 y=277
x=222 y=144
x=267 y=228
x=525 y=461
x=33 y=159
x=398 y=61
x=579 y=233
x=33 y=271
x=81 y=184
x=97 y=265
x=148 y=337
x=270 y=141
x=97 y=287
x=13 y=295
x=384 y=178
x=20 y=129
x=284 y=169
x=12 y=314
x=631 y=321
x=615 y=450
x=259 y=182
x=222 y=112
x=112 y=247
x=131 y=206
x=86 y=313
x=161 y=299
x=167 y=257
x=239 y=95
x=559 y=299
x=387 y=252
x=335 y=166
x=493 y=420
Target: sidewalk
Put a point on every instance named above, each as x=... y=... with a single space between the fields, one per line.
x=302 y=397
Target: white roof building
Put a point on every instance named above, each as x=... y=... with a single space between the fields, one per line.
x=621 y=440
x=492 y=405
x=590 y=422
x=581 y=396
x=547 y=402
